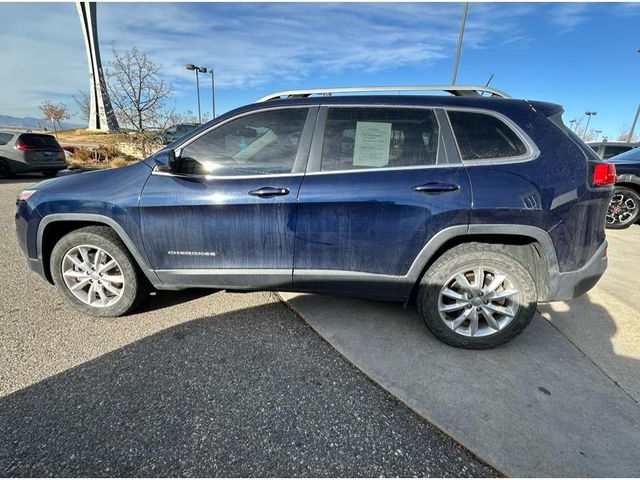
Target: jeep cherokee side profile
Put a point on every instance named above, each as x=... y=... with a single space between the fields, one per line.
x=477 y=207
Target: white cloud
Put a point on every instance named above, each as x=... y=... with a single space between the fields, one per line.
x=567 y=16
x=250 y=45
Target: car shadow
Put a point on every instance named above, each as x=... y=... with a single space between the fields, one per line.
x=160 y=299
x=247 y=393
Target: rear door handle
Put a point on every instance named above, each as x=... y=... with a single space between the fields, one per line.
x=435 y=187
x=267 y=192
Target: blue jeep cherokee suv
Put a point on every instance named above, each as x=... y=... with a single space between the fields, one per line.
x=477 y=207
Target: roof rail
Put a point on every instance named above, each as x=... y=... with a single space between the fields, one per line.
x=457 y=90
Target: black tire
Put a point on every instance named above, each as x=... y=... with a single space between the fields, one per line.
x=136 y=287
x=50 y=173
x=466 y=257
x=624 y=208
x=5 y=170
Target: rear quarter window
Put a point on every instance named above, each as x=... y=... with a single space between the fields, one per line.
x=481 y=136
x=5 y=138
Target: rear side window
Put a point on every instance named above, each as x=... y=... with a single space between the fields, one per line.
x=357 y=138
x=5 y=137
x=34 y=140
x=481 y=136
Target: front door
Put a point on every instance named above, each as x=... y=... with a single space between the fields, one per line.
x=379 y=186
x=226 y=214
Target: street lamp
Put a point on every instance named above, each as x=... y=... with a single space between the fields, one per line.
x=598 y=132
x=191 y=66
x=571 y=122
x=589 y=115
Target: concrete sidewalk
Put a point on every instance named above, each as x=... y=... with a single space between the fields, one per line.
x=560 y=400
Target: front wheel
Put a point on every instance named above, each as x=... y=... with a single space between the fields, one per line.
x=477 y=296
x=93 y=270
x=624 y=208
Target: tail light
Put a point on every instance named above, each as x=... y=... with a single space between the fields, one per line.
x=604 y=174
x=21 y=146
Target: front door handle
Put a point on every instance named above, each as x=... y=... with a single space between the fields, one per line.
x=435 y=187
x=267 y=192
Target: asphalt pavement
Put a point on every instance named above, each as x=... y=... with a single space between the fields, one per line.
x=194 y=383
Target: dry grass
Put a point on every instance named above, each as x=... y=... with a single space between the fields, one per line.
x=105 y=156
x=82 y=135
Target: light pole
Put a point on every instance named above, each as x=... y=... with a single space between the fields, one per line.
x=586 y=129
x=457 y=60
x=213 y=94
x=191 y=66
x=598 y=132
x=571 y=122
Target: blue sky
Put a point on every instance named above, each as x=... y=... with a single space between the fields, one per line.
x=581 y=55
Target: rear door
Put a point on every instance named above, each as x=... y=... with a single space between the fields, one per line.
x=379 y=185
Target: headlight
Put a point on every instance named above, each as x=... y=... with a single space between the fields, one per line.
x=24 y=195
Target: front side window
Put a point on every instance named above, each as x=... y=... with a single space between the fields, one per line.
x=358 y=138
x=257 y=144
x=481 y=136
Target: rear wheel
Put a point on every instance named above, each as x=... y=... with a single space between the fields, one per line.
x=94 y=271
x=5 y=171
x=624 y=208
x=477 y=296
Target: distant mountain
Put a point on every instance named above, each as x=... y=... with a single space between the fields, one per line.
x=30 y=122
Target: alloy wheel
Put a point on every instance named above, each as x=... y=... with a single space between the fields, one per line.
x=622 y=209
x=93 y=276
x=478 y=302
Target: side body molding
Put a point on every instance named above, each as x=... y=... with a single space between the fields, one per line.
x=92 y=217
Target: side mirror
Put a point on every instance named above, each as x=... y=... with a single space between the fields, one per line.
x=165 y=160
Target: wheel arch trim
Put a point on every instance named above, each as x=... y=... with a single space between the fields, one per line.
x=99 y=219
x=410 y=279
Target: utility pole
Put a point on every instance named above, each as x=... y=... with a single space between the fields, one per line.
x=462 y=24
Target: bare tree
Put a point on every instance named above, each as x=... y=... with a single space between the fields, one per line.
x=82 y=101
x=55 y=112
x=174 y=118
x=624 y=134
x=137 y=92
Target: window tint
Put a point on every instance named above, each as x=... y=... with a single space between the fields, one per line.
x=258 y=144
x=5 y=137
x=34 y=140
x=379 y=137
x=613 y=150
x=481 y=136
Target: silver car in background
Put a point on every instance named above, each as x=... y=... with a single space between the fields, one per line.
x=22 y=152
